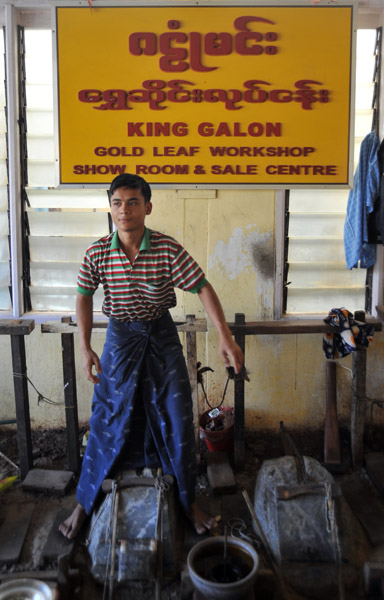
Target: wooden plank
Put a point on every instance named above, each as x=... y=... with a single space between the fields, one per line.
x=70 y=396
x=198 y=325
x=13 y=532
x=16 y=326
x=239 y=431
x=20 y=383
x=374 y=464
x=359 y=369
x=367 y=508
x=331 y=430
x=287 y=326
x=219 y=472
x=281 y=327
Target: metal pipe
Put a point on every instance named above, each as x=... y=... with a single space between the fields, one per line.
x=9 y=461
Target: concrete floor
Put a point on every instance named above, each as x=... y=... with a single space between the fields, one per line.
x=79 y=584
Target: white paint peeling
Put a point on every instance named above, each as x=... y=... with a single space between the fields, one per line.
x=230 y=258
x=237 y=255
x=248 y=251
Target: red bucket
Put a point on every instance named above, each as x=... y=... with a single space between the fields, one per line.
x=221 y=440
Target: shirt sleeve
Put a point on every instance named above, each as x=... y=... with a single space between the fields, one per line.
x=88 y=279
x=186 y=273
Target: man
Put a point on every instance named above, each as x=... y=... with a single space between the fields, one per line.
x=142 y=407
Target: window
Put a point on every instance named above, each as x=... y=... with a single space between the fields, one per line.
x=62 y=223
x=316 y=275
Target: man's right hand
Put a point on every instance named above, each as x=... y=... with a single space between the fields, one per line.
x=90 y=360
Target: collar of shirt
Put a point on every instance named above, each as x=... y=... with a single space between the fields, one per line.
x=145 y=242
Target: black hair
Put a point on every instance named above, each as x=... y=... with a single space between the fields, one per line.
x=132 y=182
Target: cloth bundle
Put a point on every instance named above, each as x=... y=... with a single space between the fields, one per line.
x=348 y=334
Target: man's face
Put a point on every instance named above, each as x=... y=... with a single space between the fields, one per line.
x=128 y=209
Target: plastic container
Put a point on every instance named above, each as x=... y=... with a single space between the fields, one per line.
x=221 y=440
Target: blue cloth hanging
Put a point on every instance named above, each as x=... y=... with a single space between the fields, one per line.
x=361 y=202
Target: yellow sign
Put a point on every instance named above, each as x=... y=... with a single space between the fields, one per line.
x=205 y=95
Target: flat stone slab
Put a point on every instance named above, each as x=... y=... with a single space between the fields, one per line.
x=45 y=480
x=57 y=544
x=13 y=532
x=219 y=472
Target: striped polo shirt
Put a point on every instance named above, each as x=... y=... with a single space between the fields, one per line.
x=142 y=290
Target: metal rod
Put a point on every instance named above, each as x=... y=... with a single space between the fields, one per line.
x=159 y=539
x=113 y=556
x=335 y=539
x=275 y=568
x=9 y=461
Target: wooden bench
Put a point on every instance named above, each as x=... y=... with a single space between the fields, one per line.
x=240 y=329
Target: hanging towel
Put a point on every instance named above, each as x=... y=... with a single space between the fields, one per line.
x=348 y=334
x=360 y=204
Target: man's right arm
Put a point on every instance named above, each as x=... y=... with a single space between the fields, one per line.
x=84 y=316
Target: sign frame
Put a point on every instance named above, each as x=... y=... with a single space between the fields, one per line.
x=328 y=4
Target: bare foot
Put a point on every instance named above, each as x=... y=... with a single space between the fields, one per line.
x=71 y=526
x=200 y=520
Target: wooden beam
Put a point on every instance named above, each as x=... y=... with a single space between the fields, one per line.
x=284 y=327
x=191 y=351
x=239 y=432
x=16 y=326
x=198 y=325
x=20 y=383
x=70 y=395
x=359 y=369
x=279 y=327
x=331 y=430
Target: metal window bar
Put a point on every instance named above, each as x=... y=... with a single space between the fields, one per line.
x=26 y=276
x=6 y=143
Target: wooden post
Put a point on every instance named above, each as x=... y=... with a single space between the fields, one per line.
x=331 y=431
x=239 y=442
x=70 y=395
x=191 y=351
x=359 y=367
x=20 y=382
